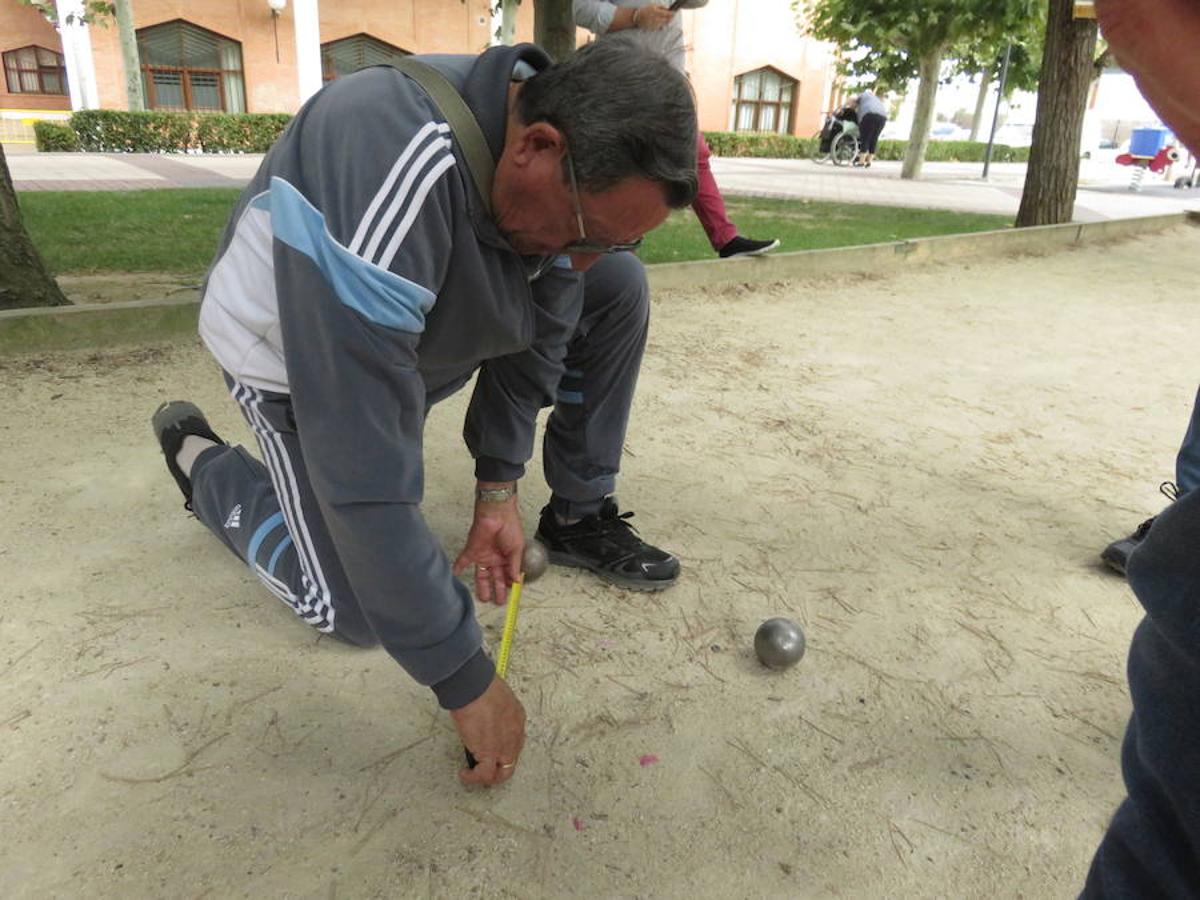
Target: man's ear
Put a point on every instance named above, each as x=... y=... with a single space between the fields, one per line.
x=538 y=139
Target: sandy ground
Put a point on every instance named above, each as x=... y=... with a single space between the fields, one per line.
x=920 y=469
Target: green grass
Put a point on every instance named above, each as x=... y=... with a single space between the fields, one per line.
x=811 y=225
x=84 y=232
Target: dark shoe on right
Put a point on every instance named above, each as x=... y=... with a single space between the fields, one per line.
x=172 y=422
x=741 y=246
x=1116 y=554
x=605 y=543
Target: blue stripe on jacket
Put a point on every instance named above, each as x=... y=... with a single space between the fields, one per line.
x=383 y=297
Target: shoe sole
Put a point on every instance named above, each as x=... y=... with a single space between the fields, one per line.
x=767 y=249
x=1113 y=563
x=178 y=410
x=166 y=417
x=558 y=558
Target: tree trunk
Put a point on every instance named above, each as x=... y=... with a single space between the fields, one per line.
x=508 y=21
x=1067 y=69
x=129 y=55
x=554 y=27
x=918 y=138
x=985 y=82
x=24 y=280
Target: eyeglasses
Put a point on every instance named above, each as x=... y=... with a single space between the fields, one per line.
x=583 y=245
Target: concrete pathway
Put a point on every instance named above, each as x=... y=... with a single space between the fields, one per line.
x=1103 y=194
x=1103 y=191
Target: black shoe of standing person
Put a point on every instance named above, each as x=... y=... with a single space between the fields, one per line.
x=741 y=246
x=172 y=422
x=1116 y=554
x=605 y=543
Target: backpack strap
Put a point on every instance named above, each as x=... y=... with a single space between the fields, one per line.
x=461 y=120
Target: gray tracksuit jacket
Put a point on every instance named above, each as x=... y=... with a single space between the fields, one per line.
x=361 y=275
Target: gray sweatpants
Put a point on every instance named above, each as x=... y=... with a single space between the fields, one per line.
x=267 y=514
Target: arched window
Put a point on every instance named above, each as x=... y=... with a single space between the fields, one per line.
x=762 y=101
x=188 y=67
x=350 y=54
x=35 y=70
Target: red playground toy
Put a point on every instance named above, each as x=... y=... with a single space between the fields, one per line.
x=1148 y=149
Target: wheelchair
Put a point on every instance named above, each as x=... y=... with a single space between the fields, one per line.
x=837 y=140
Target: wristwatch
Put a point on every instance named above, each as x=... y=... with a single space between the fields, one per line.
x=495 y=495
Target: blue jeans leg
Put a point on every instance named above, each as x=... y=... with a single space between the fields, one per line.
x=1187 y=462
x=1152 y=848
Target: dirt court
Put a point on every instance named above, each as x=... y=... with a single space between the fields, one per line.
x=919 y=468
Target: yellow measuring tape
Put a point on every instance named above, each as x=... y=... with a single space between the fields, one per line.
x=506 y=639
x=510 y=626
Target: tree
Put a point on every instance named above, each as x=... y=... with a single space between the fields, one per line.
x=508 y=20
x=24 y=280
x=986 y=57
x=906 y=38
x=554 y=27
x=129 y=55
x=1068 y=67
x=985 y=82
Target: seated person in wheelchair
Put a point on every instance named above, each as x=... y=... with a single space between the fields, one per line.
x=835 y=124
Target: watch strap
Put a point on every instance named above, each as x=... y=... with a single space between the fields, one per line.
x=495 y=495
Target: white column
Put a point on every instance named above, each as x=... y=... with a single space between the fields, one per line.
x=308 y=47
x=77 y=50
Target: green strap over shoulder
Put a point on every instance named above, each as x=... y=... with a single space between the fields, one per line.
x=461 y=120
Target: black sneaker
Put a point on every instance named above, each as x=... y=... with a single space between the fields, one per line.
x=1116 y=554
x=172 y=422
x=608 y=545
x=741 y=246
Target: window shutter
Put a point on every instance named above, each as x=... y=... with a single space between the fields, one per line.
x=348 y=55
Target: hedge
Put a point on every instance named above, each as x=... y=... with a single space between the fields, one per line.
x=111 y=130
x=955 y=151
x=240 y=132
x=118 y=131
x=53 y=137
x=773 y=146
x=786 y=146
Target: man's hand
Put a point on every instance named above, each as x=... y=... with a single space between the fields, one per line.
x=650 y=18
x=492 y=727
x=494 y=545
x=1156 y=41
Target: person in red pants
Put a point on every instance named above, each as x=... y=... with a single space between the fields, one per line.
x=658 y=27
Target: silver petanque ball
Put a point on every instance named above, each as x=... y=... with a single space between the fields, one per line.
x=534 y=561
x=779 y=643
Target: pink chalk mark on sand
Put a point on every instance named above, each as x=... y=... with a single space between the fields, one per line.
x=578 y=823
x=648 y=760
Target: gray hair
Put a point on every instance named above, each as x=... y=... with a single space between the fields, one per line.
x=625 y=111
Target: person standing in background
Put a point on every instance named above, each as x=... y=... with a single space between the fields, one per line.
x=658 y=28
x=872 y=116
x=1152 y=846
x=1187 y=478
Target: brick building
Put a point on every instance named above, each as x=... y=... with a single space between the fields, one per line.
x=752 y=69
